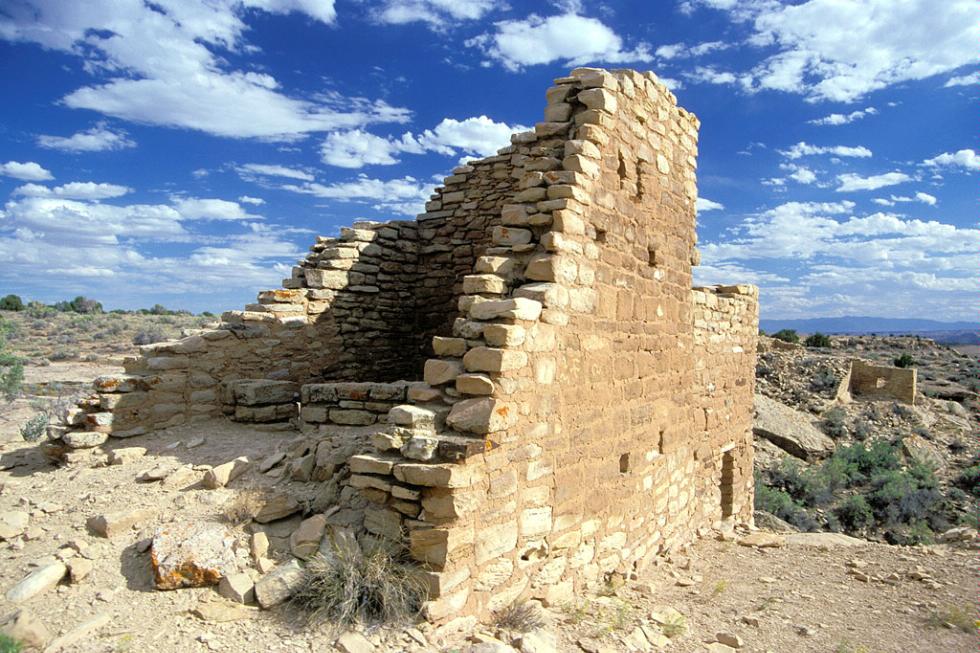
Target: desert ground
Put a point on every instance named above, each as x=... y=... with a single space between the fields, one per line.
x=753 y=592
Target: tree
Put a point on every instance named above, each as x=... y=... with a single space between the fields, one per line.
x=787 y=335
x=11 y=303
x=905 y=360
x=817 y=340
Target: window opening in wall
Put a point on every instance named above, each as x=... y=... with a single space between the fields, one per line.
x=727 y=484
x=600 y=235
x=624 y=463
x=652 y=257
x=622 y=171
x=880 y=382
x=639 y=183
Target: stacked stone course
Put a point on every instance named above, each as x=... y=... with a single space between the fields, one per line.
x=581 y=408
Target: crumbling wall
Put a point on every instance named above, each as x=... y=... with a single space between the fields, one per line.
x=581 y=434
x=881 y=382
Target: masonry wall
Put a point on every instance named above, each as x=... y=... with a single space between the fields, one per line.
x=881 y=382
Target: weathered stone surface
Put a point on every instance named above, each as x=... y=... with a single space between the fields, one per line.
x=278 y=506
x=305 y=540
x=191 y=555
x=237 y=587
x=789 y=429
x=519 y=308
x=482 y=415
x=119 y=523
x=84 y=439
x=125 y=455
x=37 y=582
x=439 y=371
x=474 y=384
x=224 y=474
x=354 y=642
x=13 y=523
x=489 y=359
x=79 y=569
x=278 y=585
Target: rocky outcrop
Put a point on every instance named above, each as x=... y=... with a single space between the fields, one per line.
x=790 y=430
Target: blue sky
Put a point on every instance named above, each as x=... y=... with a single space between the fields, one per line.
x=187 y=152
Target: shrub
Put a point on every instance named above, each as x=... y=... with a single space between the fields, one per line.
x=905 y=360
x=905 y=497
x=825 y=379
x=817 y=340
x=861 y=429
x=9 y=645
x=787 y=335
x=149 y=336
x=519 y=617
x=969 y=480
x=854 y=513
x=35 y=428
x=350 y=586
x=834 y=422
x=11 y=380
x=80 y=304
x=11 y=303
x=781 y=504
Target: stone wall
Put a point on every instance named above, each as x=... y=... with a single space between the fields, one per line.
x=880 y=382
x=581 y=408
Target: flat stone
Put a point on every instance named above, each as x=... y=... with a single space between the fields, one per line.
x=482 y=415
x=84 y=439
x=305 y=540
x=237 y=587
x=119 y=523
x=518 y=308
x=125 y=455
x=13 y=523
x=763 y=540
x=729 y=639
x=279 y=585
x=412 y=416
x=37 y=582
x=223 y=474
x=192 y=555
x=223 y=611
x=79 y=569
x=279 y=506
x=354 y=642
x=790 y=429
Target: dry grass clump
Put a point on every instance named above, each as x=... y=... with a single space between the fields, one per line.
x=519 y=617
x=347 y=587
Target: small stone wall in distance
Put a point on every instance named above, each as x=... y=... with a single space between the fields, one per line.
x=869 y=381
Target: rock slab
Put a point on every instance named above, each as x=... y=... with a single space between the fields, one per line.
x=790 y=430
x=192 y=555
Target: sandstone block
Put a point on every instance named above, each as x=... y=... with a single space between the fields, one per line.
x=482 y=415
x=491 y=359
x=279 y=585
x=487 y=284
x=598 y=98
x=440 y=371
x=494 y=541
x=412 y=416
x=370 y=464
x=352 y=417
x=119 y=523
x=436 y=475
x=191 y=555
x=237 y=587
x=474 y=384
x=13 y=523
x=519 y=308
x=448 y=346
x=305 y=540
x=224 y=474
x=509 y=236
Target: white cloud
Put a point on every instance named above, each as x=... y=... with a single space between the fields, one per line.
x=211 y=209
x=97 y=139
x=851 y=182
x=27 y=171
x=837 y=261
x=841 y=51
x=479 y=136
x=962 y=159
x=836 y=119
x=166 y=70
x=405 y=196
x=709 y=75
x=924 y=198
x=78 y=190
x=254 y=201
x=802 y=149
x=703 y=205
x=269 y=170
x=437 y=13
x=963 y=80
x=679 y=50
x=572 y=39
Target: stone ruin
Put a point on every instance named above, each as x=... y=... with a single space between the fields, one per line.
x=548 y=401
x=866 y=380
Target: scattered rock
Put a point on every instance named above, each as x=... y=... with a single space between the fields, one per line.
x=192 y=555
x=222 y=475
x=277 y=507
x=13 y=523
x=114 y=524
x=305 y=540
x=126 y=455
x=258 y=545
x=279 y=585
x=195 y=442
x=826 y=540
x=158 y=473
x=237 y=587
x=37 y=582
x=271 y=461
x=750 y=621
x=352 y=642
x=78 y=569
x=182 y=477
x=223 y=611
x=718 y=647
x=25 y=628
x=729 y=639
x=538 y=641
x=264 y=565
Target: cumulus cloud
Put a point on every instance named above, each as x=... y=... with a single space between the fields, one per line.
x=271 y=170
x=79 y=190
x=841 y=51
x=478 y=136
x=703 y=204
x=837 y=119
x=211 y=209
x=165 y=69
x=851 y=182
x=406 y=196
x=97 y=139
x=26 y=171
x=680 y=50
x=437 y=13
x=924 y=198
x=254 y=201
x=802 y=149
x=967 y=159
x=963 y=80
x=569 y=38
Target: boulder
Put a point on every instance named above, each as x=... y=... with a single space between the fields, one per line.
x=790 y=430
x=192 y=555
x=279 y=584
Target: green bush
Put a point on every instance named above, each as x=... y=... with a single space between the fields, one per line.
x=9 y=645
x=833 y=422
x=11 y=303
x=80 y=304
x=787 y=335
x=854 y=513
x=905 y=360
x=969 y=480
x=11 y=368
x=817 y=340
x=781 y=504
